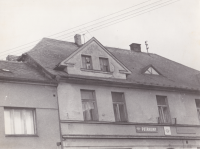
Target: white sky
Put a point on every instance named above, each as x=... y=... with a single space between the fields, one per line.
x=172 y=31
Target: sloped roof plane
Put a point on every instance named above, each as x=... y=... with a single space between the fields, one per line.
x=50 y=52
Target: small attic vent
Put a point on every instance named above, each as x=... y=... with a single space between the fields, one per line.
x=151 y=71
x=5 y=70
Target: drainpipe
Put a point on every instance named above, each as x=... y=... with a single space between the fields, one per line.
x=59 y=120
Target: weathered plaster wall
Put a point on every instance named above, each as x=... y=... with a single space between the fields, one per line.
x=47 y=121
x=141 y=104
x=95 y=51
x=129 y=144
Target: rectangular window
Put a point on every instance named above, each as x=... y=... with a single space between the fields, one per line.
x=119 y=107
x=89 y=105
x=86 y=62
x=19 y=121
x=163 y=109
x=104 y=64
x=198 y=107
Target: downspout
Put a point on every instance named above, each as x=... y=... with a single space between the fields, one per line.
x=59 y=120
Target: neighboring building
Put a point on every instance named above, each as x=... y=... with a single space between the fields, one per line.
x=114 y=98
x=29 y=116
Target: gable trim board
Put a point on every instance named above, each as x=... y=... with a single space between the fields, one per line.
x=28 y=81
x=127 y=71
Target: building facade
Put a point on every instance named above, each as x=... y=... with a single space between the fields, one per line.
x=112 y=98
x=29 y=116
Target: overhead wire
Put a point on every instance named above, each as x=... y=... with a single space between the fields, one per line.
x=125 y=19
x=85 y=23
x=97 y=27
x=107 y=19
x=91 y=30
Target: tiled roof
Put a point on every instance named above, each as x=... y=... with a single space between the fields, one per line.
x=17 y=70
x=50 y=52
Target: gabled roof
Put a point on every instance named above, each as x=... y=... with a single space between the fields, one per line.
x=86 y=44
x=16 y=70
x=49 y=53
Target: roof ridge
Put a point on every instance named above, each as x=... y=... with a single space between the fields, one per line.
x=12 y=62
x=56 y=40
x=127 y=50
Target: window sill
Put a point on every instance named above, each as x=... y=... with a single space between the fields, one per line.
x=96 y=71
x=21 y=135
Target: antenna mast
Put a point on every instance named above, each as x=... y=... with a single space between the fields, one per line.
x=84 y=38
x=147 y=47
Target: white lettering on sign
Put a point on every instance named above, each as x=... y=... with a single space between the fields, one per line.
x=141 y=129
x=167 y=130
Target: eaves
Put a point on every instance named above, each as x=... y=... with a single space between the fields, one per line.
x=123 y=84
x=28 y=81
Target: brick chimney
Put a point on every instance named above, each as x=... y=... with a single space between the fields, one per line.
x=135 y=47
x=77 y=39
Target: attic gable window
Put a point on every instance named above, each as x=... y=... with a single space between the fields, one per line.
x=86 y=62
x=151 y=71
x=104 y=65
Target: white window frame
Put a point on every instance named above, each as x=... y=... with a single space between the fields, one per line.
x=12 y=121
x=118 y=111
x=94 y=103
x=162 y=118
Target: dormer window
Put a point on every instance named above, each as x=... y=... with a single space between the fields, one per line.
x=104 y=65
x=151 y=71
x=86 y=62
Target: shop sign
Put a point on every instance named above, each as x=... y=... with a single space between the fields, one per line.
x=167 y=130
x=146 y=129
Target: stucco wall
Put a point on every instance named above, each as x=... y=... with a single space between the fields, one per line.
x=129 y=144
x=141 y=104
x=42 y=99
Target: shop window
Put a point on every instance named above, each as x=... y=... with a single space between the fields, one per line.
x=86 y=62
x=163 y=109
x=19 y=121
x=198 y=107
x=104 y=64
x=89 y=105
x=119 y=107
